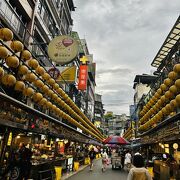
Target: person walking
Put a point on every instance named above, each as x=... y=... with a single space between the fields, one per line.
x=92 y=155
x=104 y=160
x=138 y=172
x=127 y=161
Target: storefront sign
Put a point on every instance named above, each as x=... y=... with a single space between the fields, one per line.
x=63 y=49
x=63 y=74
x=83 y=71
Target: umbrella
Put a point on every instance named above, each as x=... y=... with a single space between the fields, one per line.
x=116 y=140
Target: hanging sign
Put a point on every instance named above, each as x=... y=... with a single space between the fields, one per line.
x=63 y=49
x=83 y=71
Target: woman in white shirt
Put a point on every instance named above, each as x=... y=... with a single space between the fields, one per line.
x=104 y=160
x=127 y=161
x=139 y=172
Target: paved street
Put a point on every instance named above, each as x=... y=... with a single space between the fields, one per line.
x=97 y=174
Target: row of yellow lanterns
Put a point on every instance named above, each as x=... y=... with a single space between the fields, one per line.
x=159 y=99
x=10 y=80
x=127 y=131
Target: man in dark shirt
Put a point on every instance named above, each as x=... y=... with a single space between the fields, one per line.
x=92 y=156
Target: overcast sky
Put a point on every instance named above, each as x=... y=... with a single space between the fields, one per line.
x=124 y=36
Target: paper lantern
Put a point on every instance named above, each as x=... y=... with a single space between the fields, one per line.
x=19 y=86
x=178 y=100
x=167 y=82
x=46 y=76
x=17 y=46
x=168 y=95
x=157 y=95
x=37 y=97
x=4 y=79
x=45 y=88
x=160 y=113
x=40 y=70
x=173 y=104
x=159 y=102
x=6 y=34
x=33 y=63
x=22 y=70
x=56 y=86
x=164 y=111
x=173 y=89
x=28 y=91
x=26 y=55
x=12 y=61
x=168 y=107
x=30 y=77
x=50 y=93
x=38 y=83
x=172 y=75
x=43 y=101
x=1 y=72
x=3 y=52
x=49 y=104
x=51 y=81
x=177 y=83
x=163 y=87
x=54 y=97
x=163 y=99
x=176 y=68
x=11 y=80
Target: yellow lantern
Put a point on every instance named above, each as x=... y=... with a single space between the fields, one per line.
x=163 y=87
x=159 y=91
x=33 y=63
x=157 y=95
x=164 y=111
x=22 y=70
x=43 y=101
x=17 y=46
x=172 y=75
x=40 y=70
x=6 y=34
x=163 y=98
x=45 y=88
x=168 y=95
x=56 y=86
x=28 y=91
x=176 y=68
x=1 y=72
x=19 y=86
x=46 y=76
x=51 y=81
x=167 y=82
x=50 y=93
x=26 y=55
x=160 y=113
x=173 y=104
x=49 y=104
x=12 y=61
x=38 y=83
x=11 y=80
x=3 y=52
x=168 y=107
x=177 y=83
x=37 y=97
x=173 y=89
x=4 y=79
x=178 y=100
x=54 y=96
x=30 y=77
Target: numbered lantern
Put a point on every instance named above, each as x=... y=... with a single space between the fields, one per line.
x=6 y=34
x=26 y=55
x=176 y=68
x=22 y=70
x=172 y=75
x=19 y=86
x=31 y=77
x=46 y=76
x=173 y=89
x=51 y=81
x=173 y=104
x=37 y=97
x=12 y=61
x=17 y=46
x=56 y=86
x=11 y=80
x=33 y=63
x=3 y=52
x=45 y=89
x=168 y=95
x=40 y=70
x=28 y=91
x=42 y=102
x=50 y=93
x=167 y=82
x=38 y=83
x=163 y=87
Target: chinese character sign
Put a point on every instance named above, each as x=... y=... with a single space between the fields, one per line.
x=83 y=70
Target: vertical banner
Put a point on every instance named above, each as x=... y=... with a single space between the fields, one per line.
x=83 y=71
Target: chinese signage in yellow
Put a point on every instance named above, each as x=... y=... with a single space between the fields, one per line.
x=63 y=49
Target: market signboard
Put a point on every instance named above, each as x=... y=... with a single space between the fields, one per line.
x=83 y=72
x=63 y=49
x=63 y=74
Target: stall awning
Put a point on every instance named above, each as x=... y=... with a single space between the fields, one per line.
x=171 y=40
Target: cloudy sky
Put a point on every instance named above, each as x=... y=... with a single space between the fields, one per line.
x=124 y=36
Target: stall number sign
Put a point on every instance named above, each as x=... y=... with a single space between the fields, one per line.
x=83 y=72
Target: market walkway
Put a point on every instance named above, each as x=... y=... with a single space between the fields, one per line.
x=97 y=174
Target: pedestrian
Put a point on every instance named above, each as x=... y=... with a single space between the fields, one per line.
x=127 y=161
x=92 y=156
x=122 y=158
x=104 y=160
x=25 y=155
x=139 y=172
